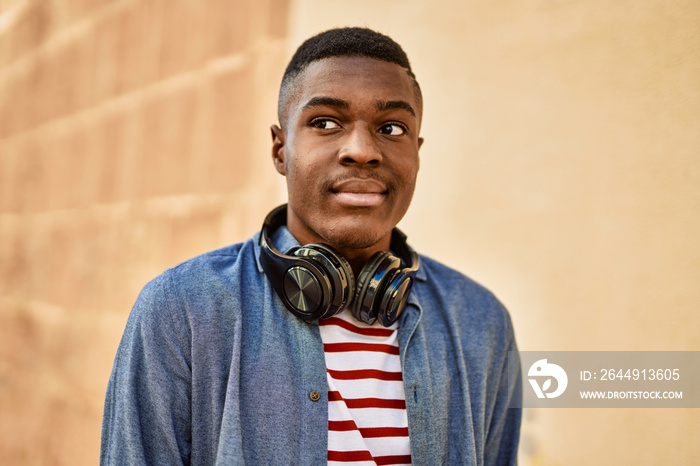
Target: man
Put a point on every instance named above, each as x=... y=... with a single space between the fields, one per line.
x=385 y=358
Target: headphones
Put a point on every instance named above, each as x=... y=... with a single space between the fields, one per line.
x=315 y=282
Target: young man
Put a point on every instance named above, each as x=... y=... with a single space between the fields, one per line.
x=324 y=338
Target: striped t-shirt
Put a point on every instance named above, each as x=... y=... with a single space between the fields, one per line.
x=367 y=421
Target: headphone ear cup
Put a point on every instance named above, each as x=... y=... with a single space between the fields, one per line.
x=371 y=282
x=394 y=298
x=339 y=274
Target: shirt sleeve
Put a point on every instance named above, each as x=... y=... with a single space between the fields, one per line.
x=147 y=406
x=504 y=431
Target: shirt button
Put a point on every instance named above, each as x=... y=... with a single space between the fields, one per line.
x=315 y=395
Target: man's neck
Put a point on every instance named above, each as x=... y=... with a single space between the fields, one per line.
x=356 y=257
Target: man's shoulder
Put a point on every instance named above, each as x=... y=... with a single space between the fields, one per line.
x=450 y=280
x=207 y=269
x=215 y=261
x=454 y=295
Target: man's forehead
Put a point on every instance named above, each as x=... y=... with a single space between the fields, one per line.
x=343 y=68
x=333 y=76
x=350 y=78
x=380 y=105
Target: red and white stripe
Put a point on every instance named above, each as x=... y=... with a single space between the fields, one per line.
x=367 y=421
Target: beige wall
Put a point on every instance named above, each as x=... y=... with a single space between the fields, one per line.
x=561 y=169
x=131 y=136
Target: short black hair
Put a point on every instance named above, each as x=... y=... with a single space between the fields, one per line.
x=338 y=42
x=350 y=41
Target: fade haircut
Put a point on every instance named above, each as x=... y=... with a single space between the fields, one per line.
x=340 y=42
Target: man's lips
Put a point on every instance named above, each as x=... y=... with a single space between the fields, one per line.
x=358 y=192
x=359 y=185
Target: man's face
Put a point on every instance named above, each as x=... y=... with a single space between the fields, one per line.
x=349 y=151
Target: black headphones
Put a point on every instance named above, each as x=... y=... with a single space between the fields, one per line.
x=316 y=282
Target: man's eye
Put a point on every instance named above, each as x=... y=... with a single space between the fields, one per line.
x=324 y=124
x=392 y=129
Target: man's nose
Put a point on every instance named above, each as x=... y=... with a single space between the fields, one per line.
x=360 y=147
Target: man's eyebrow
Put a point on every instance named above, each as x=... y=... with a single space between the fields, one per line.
x=327 y=102
x=392 y=104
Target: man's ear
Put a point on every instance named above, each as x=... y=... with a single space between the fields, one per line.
x=420 y=143
x=278 y=149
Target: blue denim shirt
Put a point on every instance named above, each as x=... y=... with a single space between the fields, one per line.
x=212 y=369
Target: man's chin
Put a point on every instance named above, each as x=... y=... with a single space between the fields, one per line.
x=355 y=237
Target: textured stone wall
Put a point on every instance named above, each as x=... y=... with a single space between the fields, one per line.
x=560 y=169
x=132 y=136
